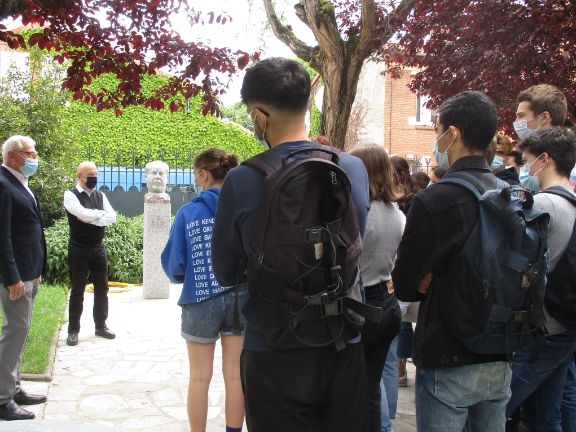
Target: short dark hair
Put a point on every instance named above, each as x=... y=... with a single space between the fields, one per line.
x=517 y=157
x=558 y=142
x=546 y=97
x=279 y=82
x=439 y=171
x=474 y=114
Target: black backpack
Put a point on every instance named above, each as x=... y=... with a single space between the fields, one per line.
x=503 y=264
x=302 y=267
x=560 y=298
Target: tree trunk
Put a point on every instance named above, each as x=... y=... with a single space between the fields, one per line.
x=339 y=95
x=338 y=61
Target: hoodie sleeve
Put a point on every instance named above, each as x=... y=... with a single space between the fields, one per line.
x=227 y=247
x=174 y=254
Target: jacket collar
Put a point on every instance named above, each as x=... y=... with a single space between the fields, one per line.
x=469 y=163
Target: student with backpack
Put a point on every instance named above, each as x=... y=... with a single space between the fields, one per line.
x=209 y=310
x=384 y=229
x=475 y=304
x=289 y=221
x=550 y=155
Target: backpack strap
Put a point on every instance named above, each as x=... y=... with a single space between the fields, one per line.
x=562 y=192
x=320 y=151
x=268 y=163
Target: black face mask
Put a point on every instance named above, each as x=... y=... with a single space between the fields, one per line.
x=91 y=182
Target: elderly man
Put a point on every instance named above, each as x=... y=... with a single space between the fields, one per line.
x=89 y=212
x=22 y=262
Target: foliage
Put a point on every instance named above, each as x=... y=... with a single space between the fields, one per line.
x=499 y=47
x=316 y=120
x=35 y=107
x=47 y=316
x=141 y=135
x=237 y=113
x=347 y=32
x=134 y=40
x=124 y=245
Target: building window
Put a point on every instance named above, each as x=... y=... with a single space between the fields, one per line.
x=424 y=116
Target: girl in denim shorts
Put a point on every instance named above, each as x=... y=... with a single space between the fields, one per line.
x=208 y=309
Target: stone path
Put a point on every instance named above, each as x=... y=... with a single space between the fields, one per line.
x=137 y=382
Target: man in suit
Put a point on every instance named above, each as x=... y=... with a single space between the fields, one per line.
x=89 y=212
x=22 y=263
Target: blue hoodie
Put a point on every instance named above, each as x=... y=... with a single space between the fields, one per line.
x=187 y=256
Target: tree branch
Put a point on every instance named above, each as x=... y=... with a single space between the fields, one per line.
x=368 y=23
x=320 y=17
x=396 y=19
x=287 y=36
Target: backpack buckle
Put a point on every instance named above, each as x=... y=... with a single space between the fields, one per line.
x=313 y=235
x=330 y=308
x=531 y=272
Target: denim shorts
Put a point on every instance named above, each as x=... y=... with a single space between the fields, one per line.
x=205 y=321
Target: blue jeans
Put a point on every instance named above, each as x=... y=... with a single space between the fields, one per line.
x=389 y=387
x=568 y=409
x=540 y=384
x=463 y=398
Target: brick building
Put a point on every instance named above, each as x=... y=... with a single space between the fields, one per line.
x=394 y=117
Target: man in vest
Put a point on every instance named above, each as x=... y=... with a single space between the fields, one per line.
x=89 y=212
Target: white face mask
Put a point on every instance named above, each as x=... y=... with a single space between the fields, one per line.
x=521 y=128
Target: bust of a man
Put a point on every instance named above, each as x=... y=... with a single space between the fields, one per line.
x=156 y=179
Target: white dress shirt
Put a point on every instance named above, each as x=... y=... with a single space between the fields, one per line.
x=102 y=218
x=21 y=178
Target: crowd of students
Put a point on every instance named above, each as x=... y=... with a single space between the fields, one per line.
x=414 y=227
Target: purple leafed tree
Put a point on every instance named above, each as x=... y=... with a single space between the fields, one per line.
x=129 y=38
x=500 y=47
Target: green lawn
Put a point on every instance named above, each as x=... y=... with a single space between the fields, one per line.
x=46 y=319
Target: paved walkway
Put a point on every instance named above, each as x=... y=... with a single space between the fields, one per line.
x=137 y=382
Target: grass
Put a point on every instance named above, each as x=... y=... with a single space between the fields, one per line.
x=47 y=317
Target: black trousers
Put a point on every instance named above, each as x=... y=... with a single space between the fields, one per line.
x=376 y=339
x=316 y=390
x=82 y=262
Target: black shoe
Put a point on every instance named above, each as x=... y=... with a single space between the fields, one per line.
x=11 y=411
x=105 y=333
x=25 y=398
x=72 y=339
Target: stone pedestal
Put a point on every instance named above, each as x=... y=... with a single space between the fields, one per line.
x=156 y=231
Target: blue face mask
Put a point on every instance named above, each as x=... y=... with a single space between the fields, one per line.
x=530 y=182
x=442 y=157
x=30 y=166
x=497 y=163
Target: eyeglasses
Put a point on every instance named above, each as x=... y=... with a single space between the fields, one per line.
x=29 y=154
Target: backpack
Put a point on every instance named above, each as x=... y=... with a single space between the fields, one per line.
x=560 y=298
x=504 y=263
x=303 y=259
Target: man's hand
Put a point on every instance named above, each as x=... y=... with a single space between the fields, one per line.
x=425 y=284
x=16 y=291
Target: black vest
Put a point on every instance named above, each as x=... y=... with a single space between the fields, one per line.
x=85 y=233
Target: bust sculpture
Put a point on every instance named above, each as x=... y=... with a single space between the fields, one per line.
x=156 y=179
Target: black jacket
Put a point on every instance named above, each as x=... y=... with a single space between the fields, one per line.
x=440 y=220
x=22 y=243
x=509 y=175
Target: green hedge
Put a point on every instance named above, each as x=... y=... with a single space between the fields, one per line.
x=124 y=245
x=144 y=134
